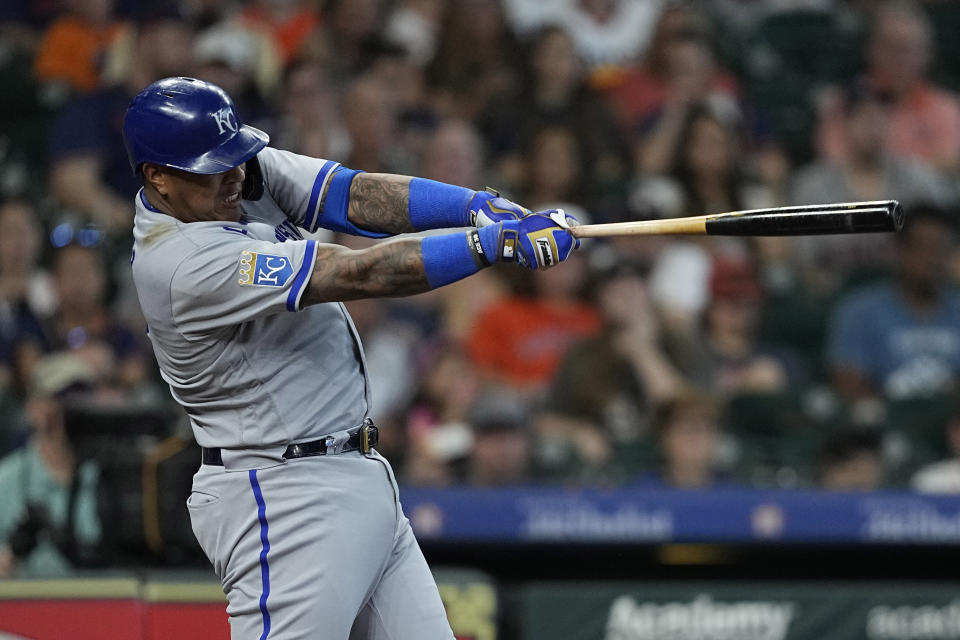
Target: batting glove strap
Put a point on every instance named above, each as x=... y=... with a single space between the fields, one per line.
x=487 y=208
x=498 y=242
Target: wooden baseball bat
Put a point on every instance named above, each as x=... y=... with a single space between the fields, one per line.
x=807 y=220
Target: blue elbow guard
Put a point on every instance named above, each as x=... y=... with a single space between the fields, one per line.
x=437 y=205
x=337 y=203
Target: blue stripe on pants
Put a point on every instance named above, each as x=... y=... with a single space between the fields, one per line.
x=265 y=548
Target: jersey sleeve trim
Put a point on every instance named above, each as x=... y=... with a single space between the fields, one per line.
x=311 y=216
x=302 y=278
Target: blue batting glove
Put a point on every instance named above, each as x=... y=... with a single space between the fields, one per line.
x=487 y=207
x=544 y=239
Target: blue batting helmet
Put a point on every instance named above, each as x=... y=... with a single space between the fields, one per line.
x=188 y=124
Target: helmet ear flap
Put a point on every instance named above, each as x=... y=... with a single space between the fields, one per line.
x=253 y=180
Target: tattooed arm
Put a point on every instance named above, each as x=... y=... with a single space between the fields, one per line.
x=413 y=265
x=379 y=202
x=392 y=268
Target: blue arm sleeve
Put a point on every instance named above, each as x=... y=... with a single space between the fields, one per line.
x=437 y=205
x=455 y=256
x=430 y=205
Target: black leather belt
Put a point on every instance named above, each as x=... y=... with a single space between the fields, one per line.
x=363 y=440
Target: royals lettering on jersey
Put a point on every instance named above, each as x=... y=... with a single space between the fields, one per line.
x=264 y=269
x=286 y=230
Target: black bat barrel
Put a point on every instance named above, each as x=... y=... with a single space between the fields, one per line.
x=814 y=220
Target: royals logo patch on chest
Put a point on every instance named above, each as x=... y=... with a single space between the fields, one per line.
x=264 y=269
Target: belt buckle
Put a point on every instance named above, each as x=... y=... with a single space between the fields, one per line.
x=369 y=435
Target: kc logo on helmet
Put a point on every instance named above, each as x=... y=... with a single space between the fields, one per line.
x=225 y=119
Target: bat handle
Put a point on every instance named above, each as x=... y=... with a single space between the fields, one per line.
x=695 y=225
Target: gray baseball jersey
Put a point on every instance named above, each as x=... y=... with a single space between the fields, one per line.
x=221 y=301
x=313 y=547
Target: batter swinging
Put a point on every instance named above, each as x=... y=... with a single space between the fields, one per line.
x=295 y=509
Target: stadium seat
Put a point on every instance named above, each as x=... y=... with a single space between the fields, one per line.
x=916 y=427
x=945 y=17
x=780 y=434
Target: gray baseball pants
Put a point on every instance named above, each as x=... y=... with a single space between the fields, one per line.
x=314 y=548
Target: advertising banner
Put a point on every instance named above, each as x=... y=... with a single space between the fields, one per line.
x=741 y=611
x=556 y=514
x=172 y=606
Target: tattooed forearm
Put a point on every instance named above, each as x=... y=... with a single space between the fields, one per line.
x=378 y=202
x=388 y=269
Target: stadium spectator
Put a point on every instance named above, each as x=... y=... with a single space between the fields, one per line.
x=689 y=443
x=606 y=32
x=414 y=25
x=727 y=357
x=555 y=171
x=370 y=120
x=680 y=284
x=418 y=115
x=83 y=322
x=21 y=276
x=500 y=453
x=288 y=25
x=851 y=460
x=706 y=170
x=89 y=170
x=474 y=65
x=680 y=70
x=438 y=422
x=520 y=340
x=47 y=524
x=27 y=297
x=602 y=400
x=74 y=48
x=454 y=153
x=924 y=120
x=942 y=476
x=352 y=28
x=901 y=338
x=864 y=171
x=556 y=97
x=309 y=121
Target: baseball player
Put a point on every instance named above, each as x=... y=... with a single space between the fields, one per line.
x=293 y=506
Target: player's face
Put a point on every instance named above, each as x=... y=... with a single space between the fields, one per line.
x=192 y=197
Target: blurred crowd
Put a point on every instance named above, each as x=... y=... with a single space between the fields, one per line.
x=660 y=362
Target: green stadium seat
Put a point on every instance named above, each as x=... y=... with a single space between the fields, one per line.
x=780 y=433
x=945 y=17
